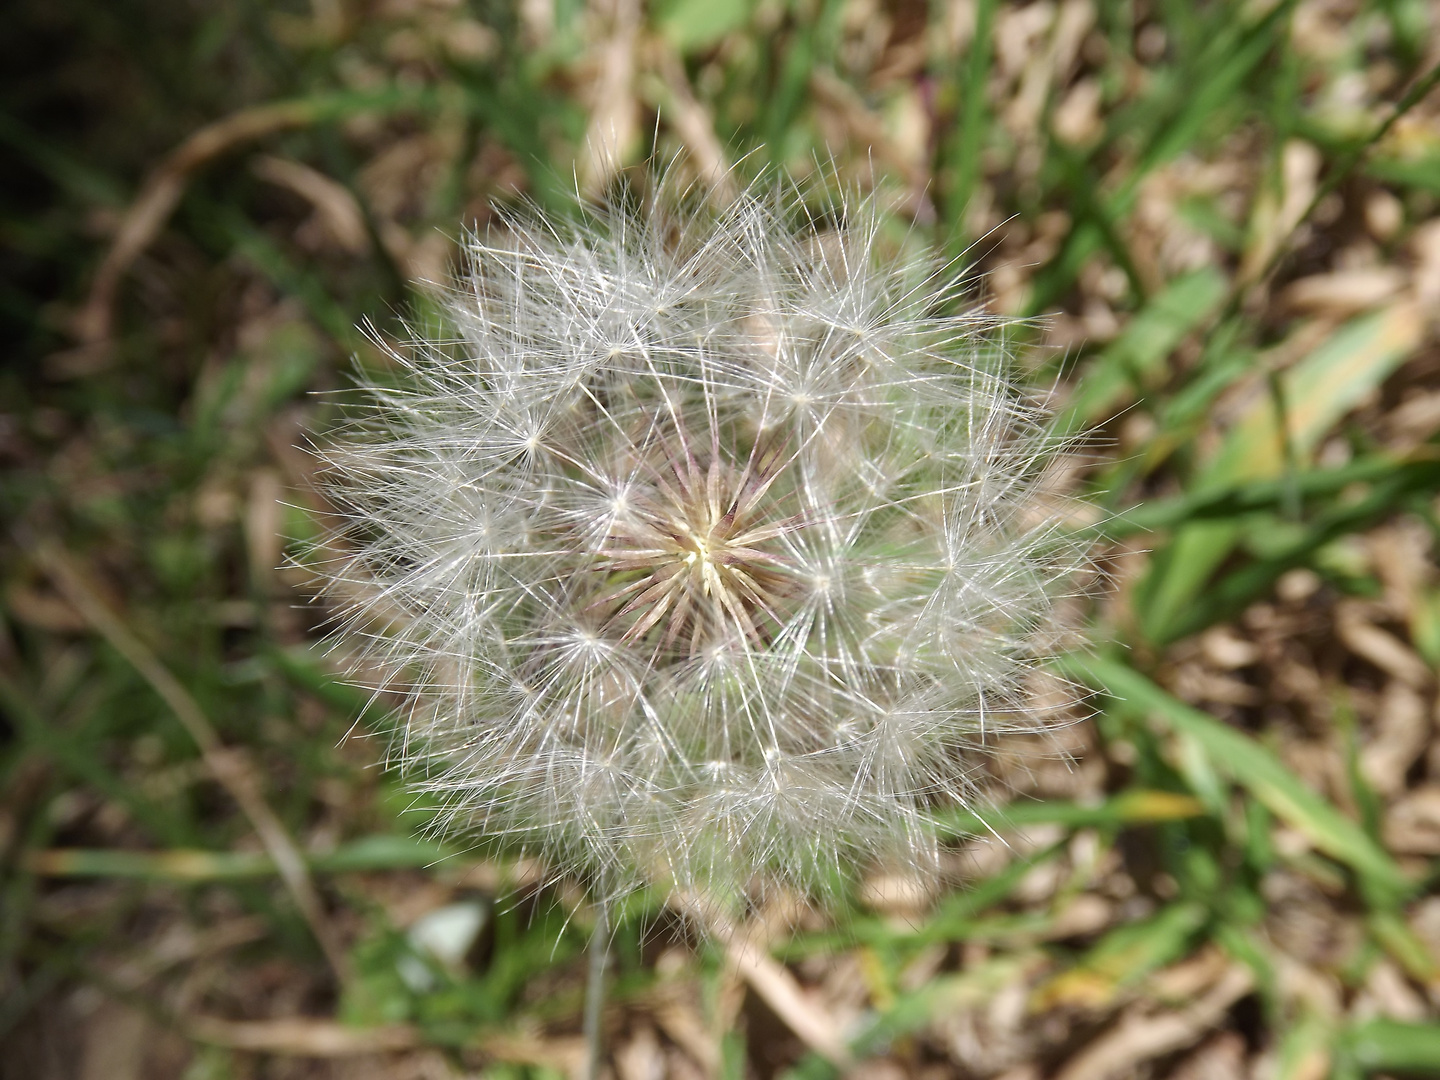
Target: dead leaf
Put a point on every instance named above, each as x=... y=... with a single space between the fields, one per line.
x=1402 y=732
x=640 y=1057
x=614 y=112
x=301 y=1036
x=335 y=206
x=1142 y=1036
x=1380 y=647
x=1342 y=293
x=1412 y=825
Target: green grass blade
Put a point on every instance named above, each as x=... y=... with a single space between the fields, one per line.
x=1232 y=593
x=1131 y=362
x=367 y=854
x=1262 y=495
x=1124 y=956
x=1317 y=393
x=968 y=140
x=1258 y=771
x=1136 y=807
x=1393 y=1046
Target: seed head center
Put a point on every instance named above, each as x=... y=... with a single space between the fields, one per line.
x=694 y=557
x=700 y=548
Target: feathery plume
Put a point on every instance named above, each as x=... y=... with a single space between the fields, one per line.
x=710 y=549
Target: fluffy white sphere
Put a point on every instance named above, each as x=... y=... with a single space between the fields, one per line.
x=710 y=548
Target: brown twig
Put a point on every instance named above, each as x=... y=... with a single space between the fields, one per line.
x=317 y=1037
x=161 y=193
x=774 y=985
x=227 y=765
x=613 y=113
x=1270 y=266
x=334 y=203
x=301 y=1036
x=865 y=127
x=692 y=122
x=747 y=959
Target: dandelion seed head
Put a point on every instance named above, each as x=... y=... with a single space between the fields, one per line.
x=710 y=549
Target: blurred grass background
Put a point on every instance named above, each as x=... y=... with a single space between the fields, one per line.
x=1228 y=213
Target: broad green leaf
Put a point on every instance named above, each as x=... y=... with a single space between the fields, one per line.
x=1178 y=572
x=1316 y=543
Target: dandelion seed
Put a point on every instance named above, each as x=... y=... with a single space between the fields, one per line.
x=711 y=549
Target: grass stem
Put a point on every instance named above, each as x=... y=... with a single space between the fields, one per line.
x=595 y=990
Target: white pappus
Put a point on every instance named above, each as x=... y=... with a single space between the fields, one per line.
x=710 y=548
